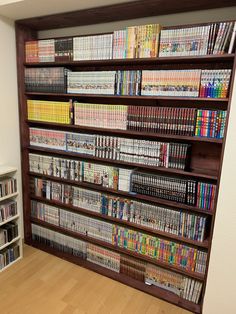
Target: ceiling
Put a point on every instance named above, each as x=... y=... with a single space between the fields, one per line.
x=21 y=9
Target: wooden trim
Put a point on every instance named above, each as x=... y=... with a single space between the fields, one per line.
x=172 y=98
x=139 y=61
x=119 y=12
x=131 y=133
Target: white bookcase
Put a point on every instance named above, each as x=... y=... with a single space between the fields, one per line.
x=9 y=213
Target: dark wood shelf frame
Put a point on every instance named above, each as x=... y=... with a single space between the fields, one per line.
x=140 y=61
x=26 y=30
x=170 y=171
x=125 y=223
x=145 y=198
x=118 y=249
x=142 y=134
x=119 y=12
x=118 y=97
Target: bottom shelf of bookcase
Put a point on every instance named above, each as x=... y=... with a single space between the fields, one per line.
x=12 y=263
x=152 y=290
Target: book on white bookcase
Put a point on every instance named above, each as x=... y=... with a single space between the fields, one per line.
x=10 y=228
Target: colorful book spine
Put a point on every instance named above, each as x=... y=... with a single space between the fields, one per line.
x=50 y=111
x=206 y=194
x=170 y=83
x=8 y=210
x=8 y=186
x=215 y=83
x=210 y=123
x=102 y=116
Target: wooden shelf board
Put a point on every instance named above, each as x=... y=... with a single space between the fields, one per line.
x=8 y=196
x=9 y=243
x=126 y=132
x=149 y=230
x=140 y=61
x=9 y=265
x=8 y=220
x=72 y=95
x=124 y=163
x=118 y=12
x=5 y=170
x=140 y=197
x=119 y=250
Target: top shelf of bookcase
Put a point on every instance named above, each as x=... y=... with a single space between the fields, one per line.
x=5 y=170
x=224 y=58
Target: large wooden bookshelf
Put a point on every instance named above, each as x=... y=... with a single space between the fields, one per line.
x=206 y=159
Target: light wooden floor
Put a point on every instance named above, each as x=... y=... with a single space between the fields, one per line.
x=42 y=283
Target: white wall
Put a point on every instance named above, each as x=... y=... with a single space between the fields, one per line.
x=220 y=291
x=9 y=120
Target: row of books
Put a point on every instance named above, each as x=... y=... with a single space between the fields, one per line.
x=9 y=255
x=136 y=42
x=103 y=257
x=177 y=222
x=177 y=83
x=163 y=120
x=206 y=195
x=53 y=79
x=153 y=153
x=155 y=217
x=7 y=186
x=8 y=232
x=67 y=141
x=210 y=123
x=101 y=115
x=186 y=83
x=128 y=83
x=50 y=111
x=214 y=83
x=215 y=38
x=97 y=47
x=166 y=251
x=8 y=210
x=185 y=191
x=185 y=287
x=174 y=189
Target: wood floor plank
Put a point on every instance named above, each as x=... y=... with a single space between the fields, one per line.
x=44 y=284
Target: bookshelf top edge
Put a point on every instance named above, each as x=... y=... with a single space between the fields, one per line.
x=5 y=170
